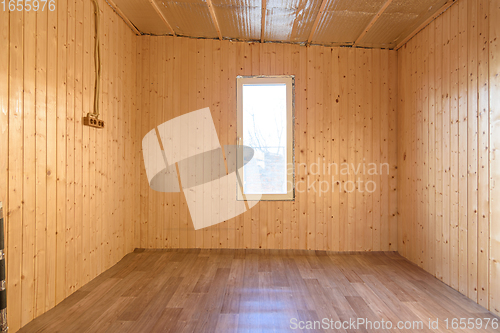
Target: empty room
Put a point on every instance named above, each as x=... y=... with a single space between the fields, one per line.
x=249 y=166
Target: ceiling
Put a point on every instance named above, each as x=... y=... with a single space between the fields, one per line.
x=363 y=23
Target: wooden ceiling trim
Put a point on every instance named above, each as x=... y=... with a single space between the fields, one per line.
x=263 y=21
x=316 y=21
x=372 y=22
x=426 y=22
x=214 y=18
x=123 y=17
x=163 y=18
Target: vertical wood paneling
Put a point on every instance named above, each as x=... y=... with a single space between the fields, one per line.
x=431 y=232
x=139 y=179
x=318 y=149
x=144 y=109
x=454 y=173
x=200 y=54
x=86 y=143
x=390 y=141
x=383 y=235
x=79 y=144
x=237 y=64
x=343 y=131
x=29 y=167
x=461 y=80
x=377 y=147
x=319 y=219
x=351 y=147
x=46 y=81
x=184 y=86
x=463 y=148
x=345 y=112
x=483 y=153
x=424 y=163
x=439 y=149
x=61 y=81
x=368 y=140
x=15 y=170
x=301 y=150
x=207 y=99
x=51 y=160
x=412 y=228
x=334 y=234
x=41 y=163
x=401 y=154
x=4 y=120
x=359 y=207
x=445 y=146
x=417 y=158
x=70 y=151
x=472 y=139
x=494 y=75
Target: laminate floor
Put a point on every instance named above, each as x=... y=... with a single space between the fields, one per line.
x=263 y=291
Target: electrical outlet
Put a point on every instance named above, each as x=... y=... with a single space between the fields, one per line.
x=93 y=121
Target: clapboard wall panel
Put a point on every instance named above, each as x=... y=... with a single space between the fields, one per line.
x=64 y=187
x=345 y=112
x=448 y=77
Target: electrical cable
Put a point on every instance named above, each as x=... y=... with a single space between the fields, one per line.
x=97 y=56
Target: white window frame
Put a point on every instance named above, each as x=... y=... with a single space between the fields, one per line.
x=290 y=91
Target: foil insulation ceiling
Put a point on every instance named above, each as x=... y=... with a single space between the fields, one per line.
x=324 y=22
x=290 y=21
x=239 y=19
x=344 y=20
x=399 y=20
x=143 y=16
x=188 y=18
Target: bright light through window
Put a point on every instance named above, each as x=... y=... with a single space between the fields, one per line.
x=265 y=125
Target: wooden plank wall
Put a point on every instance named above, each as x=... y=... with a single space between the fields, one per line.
x=345 y=112
x=448 y=79
x=64 y=186
x=494 y=65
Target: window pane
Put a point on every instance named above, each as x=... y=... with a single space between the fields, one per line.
x=265 y=130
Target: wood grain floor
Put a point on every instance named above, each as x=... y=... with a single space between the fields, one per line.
x=257 y=291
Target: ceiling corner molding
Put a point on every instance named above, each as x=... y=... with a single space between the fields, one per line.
x=163 y=18
x=372 y=22
x=425 y=23
x=214 y=18
x=122 y=16
x=263 y=20
x=316 y=21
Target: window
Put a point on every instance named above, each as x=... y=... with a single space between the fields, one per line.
x=265 y=123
